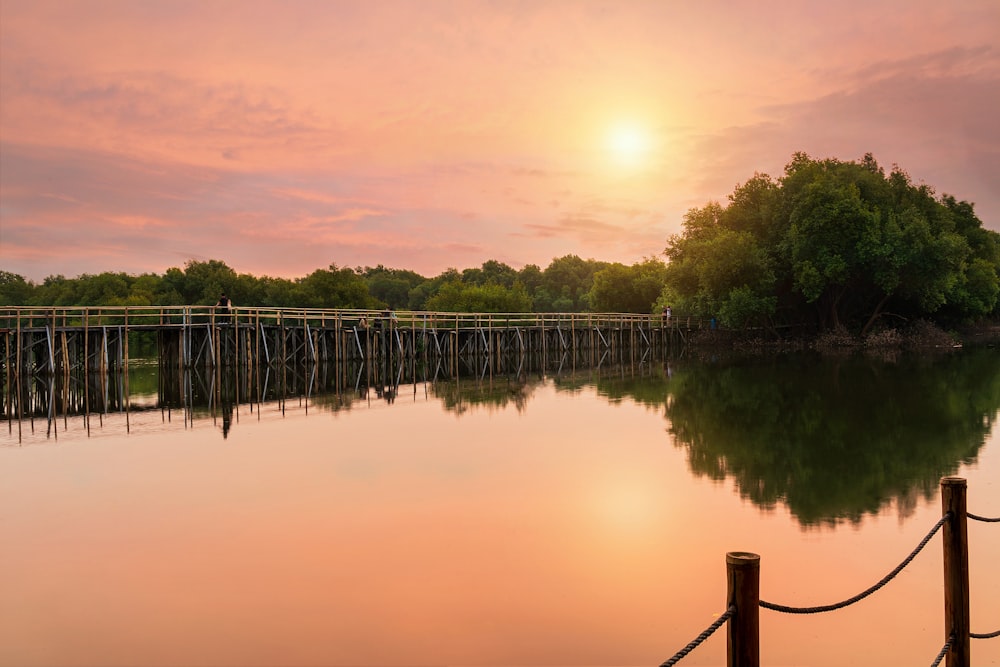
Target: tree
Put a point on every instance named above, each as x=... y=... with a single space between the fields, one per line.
x=55 y=291
x=860 y=243
x=458 y=297
x=202 y=282
x=719 y=272
x=531 y=277
x=827 y=225
x=143 y=290
x=14 y=289
x=566 y=284
x=266 y=292
x=104 y=288
x=977 y=291
x=628 y=289
x=498 y=273
x=334 y=288
x=840 y=240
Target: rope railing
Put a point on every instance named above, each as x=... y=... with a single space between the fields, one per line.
x=944 y=651
x=694 y=643
x=743 y=572
x=983 y=635
x=865 y=593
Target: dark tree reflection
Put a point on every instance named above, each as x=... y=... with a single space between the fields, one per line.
x=834 y=439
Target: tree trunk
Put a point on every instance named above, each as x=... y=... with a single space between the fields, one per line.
x=875 y=315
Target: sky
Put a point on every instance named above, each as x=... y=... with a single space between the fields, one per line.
x=283 y=137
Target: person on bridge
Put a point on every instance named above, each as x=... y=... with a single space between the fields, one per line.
x=223 y=304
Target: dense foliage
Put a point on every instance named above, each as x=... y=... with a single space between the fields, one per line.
x=834 y=244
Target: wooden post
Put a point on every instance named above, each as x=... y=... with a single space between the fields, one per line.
x=123 y=345
x=743 y=629
x=86 y=369
x=956 y=571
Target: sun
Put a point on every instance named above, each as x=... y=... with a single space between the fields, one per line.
x=629 y=144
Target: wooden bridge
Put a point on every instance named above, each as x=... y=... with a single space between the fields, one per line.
x=76 y=360
x=51 y=340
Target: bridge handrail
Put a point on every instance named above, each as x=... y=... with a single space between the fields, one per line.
x=41 y=316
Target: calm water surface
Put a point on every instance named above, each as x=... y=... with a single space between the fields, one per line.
x=556 y=519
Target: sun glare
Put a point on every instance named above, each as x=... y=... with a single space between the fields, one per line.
x=629 y=144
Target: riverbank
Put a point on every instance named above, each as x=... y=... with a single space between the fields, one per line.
x=922 y=335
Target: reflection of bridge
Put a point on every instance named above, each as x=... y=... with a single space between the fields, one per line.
x=76 y=361
x=44 y=401
x=54 y=340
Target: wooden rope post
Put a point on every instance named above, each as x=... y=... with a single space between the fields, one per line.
x=956 y=571
x=743 y=629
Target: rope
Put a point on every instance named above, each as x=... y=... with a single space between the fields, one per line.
x=983 y=518
x=944 y=651
x=860 y=596
x=702 y=637
x=985 y=635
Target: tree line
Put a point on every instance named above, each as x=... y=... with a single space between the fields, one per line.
x=830 y=244
x=567 y=284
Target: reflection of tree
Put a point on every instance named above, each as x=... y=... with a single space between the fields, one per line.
x=835 y=439
x=500 y=392
x=650 y=390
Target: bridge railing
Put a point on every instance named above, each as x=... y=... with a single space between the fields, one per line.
x=31 y=317
x=743 y=592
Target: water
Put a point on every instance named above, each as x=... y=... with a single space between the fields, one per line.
x=557 y=518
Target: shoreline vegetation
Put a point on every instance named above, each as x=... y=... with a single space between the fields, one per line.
x=922 y=335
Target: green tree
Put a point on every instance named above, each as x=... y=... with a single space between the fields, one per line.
x=628 y=289
x=335 y=288
x=835 y=244
x=456 y=296
x=201 y=282
x=143 y=290
x=566 y=284
x=392 y=287
x=15 y=290
x=531 y=277
x=56 y=290
x=977 y=291
x=499 y=273
x=266 y=292
x=860 y=243
x=110 y=289
x=719 y=272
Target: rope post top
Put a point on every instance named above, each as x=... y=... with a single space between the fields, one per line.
x=954 y=481
x=742 y=559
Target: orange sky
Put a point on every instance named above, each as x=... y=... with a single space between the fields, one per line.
x=281 y=137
